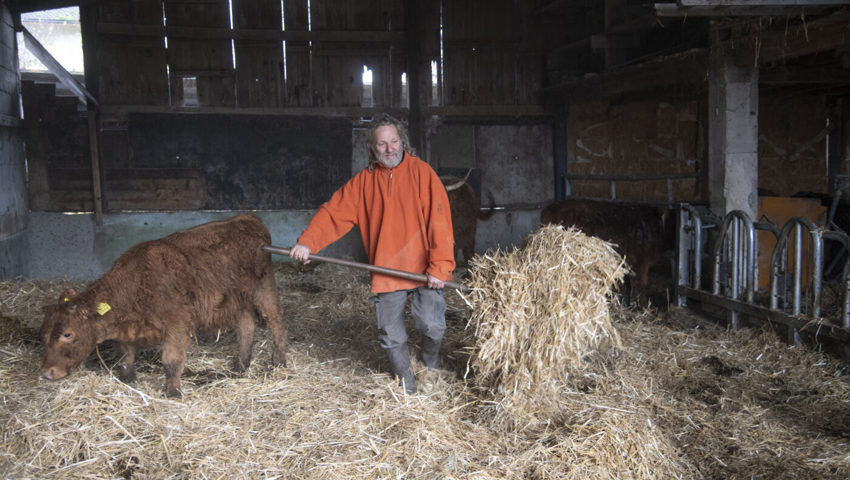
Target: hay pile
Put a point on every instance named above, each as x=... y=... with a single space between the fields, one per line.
x=541 y=322
x=538 y=311
x=680 y=398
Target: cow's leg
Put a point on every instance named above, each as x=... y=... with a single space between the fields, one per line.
x=640 y=282
x=245 y=337
x=267 y=305
x=127 y=365
x=468 y=251
x=624 y=290
x=174 y=361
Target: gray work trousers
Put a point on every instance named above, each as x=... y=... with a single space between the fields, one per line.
x=428 y=308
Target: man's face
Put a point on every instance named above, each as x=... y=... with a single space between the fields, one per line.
x=388 y=146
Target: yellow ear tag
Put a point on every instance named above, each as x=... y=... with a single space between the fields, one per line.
x=102 y=308
x=66 y=299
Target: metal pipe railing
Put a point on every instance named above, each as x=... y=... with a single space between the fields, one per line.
x=779 y=270
x=728 y=249
x=796 y=271
x=568 y=180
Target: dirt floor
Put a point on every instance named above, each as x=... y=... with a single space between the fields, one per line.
x=682 y=398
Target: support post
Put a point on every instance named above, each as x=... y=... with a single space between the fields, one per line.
x=733 y=125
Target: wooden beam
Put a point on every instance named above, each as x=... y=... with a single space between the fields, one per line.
x=614 y=41
x=684 y=68
x=415 y=75
x=111 y=116
x=9 y=121
x=749 y=3
x=820 y=35
x=25 y=6
x=673 y=10
x=360 y=36
x=94 y=152
x=552 y=7
x=784 y=75
x=512 y=111
x=37 y=49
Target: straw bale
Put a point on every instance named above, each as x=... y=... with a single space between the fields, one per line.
x=538 y=311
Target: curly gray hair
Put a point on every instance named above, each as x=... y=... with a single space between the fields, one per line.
x=382 y=121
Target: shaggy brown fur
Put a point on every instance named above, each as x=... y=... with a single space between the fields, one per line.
x=465 y=215
x=163 y=291
x=641 y=233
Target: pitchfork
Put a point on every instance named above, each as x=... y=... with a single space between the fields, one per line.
x=372 y=268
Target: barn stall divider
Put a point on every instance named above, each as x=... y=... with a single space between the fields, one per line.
x=727 y=247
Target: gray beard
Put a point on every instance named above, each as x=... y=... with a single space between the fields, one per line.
x=391 y=162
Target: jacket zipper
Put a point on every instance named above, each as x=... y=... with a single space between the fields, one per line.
x=390 y=186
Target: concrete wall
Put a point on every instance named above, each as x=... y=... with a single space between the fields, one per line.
x=70 y=246
x=13 y=205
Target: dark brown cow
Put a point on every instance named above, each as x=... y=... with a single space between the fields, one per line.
x=465 y=213
x=641 y=233
x=163 y=291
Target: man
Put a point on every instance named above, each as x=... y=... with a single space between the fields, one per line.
x=402 y=210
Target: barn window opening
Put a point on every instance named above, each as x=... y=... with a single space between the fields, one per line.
x=283 y=28
x=233 y=51
x=367 y=101
x=310 y=43
x=167 y=62
x=232 y=40
x=405 y=98
x=58 y=31
x=435 y=84
x=190 y=91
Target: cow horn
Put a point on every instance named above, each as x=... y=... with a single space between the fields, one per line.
x=456 y=185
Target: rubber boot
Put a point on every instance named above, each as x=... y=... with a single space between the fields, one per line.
x=431 y=352
x=400 y=362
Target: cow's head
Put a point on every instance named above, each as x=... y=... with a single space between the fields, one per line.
x=453 y=183
x=68 y=335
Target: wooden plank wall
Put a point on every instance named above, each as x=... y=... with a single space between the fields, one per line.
x=299 y=85
x=259 y=67
x=208 y=60
x=322 y=64
x=338 y=65
x=491 y=55
x=57 y=150
x=289 y=59
x=491 y=49
x=131 y=66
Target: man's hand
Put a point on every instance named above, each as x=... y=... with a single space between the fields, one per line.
x=301 y=253
x=434 y=282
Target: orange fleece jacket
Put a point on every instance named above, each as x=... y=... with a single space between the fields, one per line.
x=404 y=219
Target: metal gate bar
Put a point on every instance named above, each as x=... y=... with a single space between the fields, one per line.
x=735 y=271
